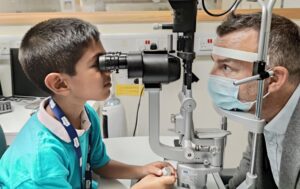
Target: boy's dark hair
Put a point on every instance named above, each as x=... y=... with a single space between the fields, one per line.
x=284 y=44
x=55 y=45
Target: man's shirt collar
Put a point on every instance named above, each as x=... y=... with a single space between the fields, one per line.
x=280 y=122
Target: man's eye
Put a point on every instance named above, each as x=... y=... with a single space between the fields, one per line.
x=226 y=68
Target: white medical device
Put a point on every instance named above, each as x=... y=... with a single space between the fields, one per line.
x=197 y=152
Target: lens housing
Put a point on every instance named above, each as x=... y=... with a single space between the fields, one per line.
x=154 y=67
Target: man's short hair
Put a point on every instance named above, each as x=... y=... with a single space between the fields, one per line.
x=55 y=45
x=284 y=44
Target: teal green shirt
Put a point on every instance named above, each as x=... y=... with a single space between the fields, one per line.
x=39 y=159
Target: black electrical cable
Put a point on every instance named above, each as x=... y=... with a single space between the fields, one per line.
x=137 y=112
x=235 y=4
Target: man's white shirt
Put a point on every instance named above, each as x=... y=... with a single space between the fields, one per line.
x=274 y=133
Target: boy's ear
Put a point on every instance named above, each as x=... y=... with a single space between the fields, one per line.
x=57 y=84
x=279 y=78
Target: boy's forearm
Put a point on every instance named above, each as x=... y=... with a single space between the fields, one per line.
x=118 y=170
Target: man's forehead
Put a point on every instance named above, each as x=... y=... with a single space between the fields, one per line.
x=228 y=40
x=238 y=45
x=246 y=40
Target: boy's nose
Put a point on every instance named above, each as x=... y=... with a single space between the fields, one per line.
x=108 y=73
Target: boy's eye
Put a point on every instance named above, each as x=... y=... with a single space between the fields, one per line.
x=95 y=64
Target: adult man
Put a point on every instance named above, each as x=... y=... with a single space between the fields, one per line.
x=278 y=152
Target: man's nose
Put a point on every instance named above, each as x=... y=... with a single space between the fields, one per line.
x=213 y=70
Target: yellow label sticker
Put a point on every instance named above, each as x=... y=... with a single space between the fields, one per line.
x=128 y=89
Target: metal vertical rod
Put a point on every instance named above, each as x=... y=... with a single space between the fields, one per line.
x=252 y=169
x=224 y=127
x=188 y=118
x=258 y=115
x=262 y=56
x=224 y=123
x=282 y=4
x=262 y=35
x=259 y=99
x=170 y=43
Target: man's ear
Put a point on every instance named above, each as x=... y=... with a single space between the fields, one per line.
x=57 y=84
x=279 y=78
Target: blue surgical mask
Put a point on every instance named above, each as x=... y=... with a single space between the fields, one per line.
x=225 y=94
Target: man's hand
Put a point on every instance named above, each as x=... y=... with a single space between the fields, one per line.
x=155 y=182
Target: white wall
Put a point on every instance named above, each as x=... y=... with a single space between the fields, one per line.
x=29 y=5
x=254 y=5
x=248 y=4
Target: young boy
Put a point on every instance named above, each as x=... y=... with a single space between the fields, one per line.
x=60 y=144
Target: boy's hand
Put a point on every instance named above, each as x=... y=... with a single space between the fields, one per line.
x=152 y=181
x=156 y=168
